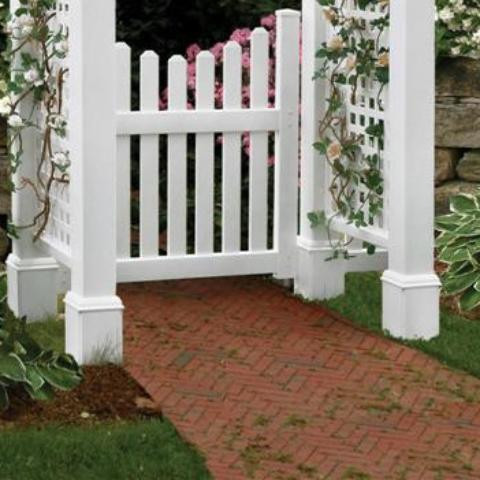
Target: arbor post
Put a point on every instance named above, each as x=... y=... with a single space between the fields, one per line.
x=32 y=277
x=410 y=286
x=93 y=311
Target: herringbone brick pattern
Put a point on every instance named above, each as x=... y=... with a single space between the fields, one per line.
x=271 y=388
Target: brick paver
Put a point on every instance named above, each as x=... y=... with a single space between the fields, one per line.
x=271 y=388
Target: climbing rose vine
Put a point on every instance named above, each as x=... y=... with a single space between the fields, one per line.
x=350 y=57
x=34 y=50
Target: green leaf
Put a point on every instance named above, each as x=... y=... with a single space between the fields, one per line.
x=11 y=367
x=463 y=203
x=43 y=394
x=448 y=223
x=34 y=379
x=59 y=378
x=454 y=284
x=317 y=219
x=453 y=255
x=470 y=300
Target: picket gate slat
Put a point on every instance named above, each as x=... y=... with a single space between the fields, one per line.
x=124 y=93
x=232 y=152
x=258 y=204
x=177 y=161
x=204 y=158
x=149 y=159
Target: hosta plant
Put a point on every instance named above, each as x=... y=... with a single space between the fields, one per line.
x=458 y=246
x=25 y=365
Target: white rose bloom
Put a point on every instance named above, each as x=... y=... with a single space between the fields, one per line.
x=33 y=76
x=15 y=121
x=5 y=106
x=446 y=15
x=336 y=43
x=62 y=47
x=476 y=37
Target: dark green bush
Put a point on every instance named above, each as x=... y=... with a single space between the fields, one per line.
x=169 y=26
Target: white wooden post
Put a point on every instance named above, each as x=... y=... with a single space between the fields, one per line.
x=94 y=312
x=411 y=288
x=315 y=278
x=287 y=147
x=33 y=280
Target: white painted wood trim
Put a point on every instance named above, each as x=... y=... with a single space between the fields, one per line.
x=229 y=120
x=196 y=266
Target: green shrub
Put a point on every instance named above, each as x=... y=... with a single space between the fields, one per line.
x=459 y=248
x=24 y=364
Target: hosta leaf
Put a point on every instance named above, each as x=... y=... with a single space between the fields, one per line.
x=445 y=238
x=470 y=300
x=477 y=286
x=4 y=400
x=59 y=378
x=463 y=203
x=11 y=367
x=449 y=222
x=461 y=268
x=454 y=284
x=471 y=229
x=43 y=394
x=453 y=255
x=34 y=379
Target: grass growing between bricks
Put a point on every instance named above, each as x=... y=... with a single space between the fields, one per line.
x=458 y=345
x=150 y=450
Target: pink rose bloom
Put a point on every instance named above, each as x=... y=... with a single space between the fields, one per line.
x=271 y=160
x=218 y=94
x=246 y=97
x=242 y=36
x=246 y=60
x=193 y=51
x=217 y=51
x=191 y=76
x=269 y=21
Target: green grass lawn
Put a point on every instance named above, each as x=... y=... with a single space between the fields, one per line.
x=458 y=345
x=144 y=451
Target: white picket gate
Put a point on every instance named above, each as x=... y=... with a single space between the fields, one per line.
x=90 y=227
x=232 y=122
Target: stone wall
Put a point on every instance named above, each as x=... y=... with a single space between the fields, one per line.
x=457 y=130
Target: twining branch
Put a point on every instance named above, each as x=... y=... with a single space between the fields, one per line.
x=32 y=100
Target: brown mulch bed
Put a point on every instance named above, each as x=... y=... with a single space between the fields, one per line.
x=107 y=394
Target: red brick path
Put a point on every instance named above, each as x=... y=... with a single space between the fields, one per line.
x=271 y=388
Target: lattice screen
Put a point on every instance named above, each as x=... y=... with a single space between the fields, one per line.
x=370 y=103
x=57 y=233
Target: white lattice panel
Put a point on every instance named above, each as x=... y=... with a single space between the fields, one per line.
x=57 y=234
x=369 y=105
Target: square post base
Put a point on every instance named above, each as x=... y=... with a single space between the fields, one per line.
x=33 y=287
x=315 y=278
x=94 y=329
x=411 y=305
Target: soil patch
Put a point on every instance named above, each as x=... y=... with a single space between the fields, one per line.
x=107 y=394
